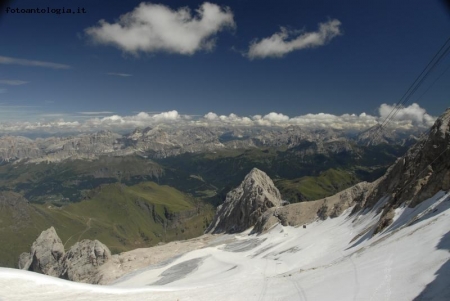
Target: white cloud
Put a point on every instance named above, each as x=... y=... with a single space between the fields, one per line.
x=15 y=61
x=12 y=82
x=411 y=117
x=119 y=74
x=142 y=119
x=211 y=116
x=285 y=41
x=412 y=114
x=276 y=117
x=166 y=116
x=156 y=27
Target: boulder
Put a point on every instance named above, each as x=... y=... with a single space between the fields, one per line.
x=82 y=261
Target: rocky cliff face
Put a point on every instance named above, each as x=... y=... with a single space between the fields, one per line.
x=13 y=148
x=80 y=263
x=420 y=174
x=246 y=203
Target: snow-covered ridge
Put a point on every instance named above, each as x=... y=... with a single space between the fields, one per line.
x=324 y=261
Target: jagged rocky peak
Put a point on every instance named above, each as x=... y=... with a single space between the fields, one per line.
x=246 y=203
x=45 y=254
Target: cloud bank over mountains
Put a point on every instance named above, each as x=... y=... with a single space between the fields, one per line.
x=407 y=118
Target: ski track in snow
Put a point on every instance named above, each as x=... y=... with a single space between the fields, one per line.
x=322 y=262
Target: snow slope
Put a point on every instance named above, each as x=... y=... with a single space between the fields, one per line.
x=335 y=259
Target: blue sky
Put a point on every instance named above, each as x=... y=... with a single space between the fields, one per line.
x=238 y=61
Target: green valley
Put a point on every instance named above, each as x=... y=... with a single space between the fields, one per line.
x=122 y=217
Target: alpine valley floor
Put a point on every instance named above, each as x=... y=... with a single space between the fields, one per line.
x=327 y=260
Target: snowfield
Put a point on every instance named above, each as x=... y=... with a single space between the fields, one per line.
x=335 y=259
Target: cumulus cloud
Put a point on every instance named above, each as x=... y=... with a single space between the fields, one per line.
x=411 y=117
x=412 y=114
x=211 y=116
x=12 y=82
x=276 y=117
x=142 y=119
x=23 y=62
x=285 y=41
x=156 y=27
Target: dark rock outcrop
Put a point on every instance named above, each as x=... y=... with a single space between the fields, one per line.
x=79 y=264
x=246 y=203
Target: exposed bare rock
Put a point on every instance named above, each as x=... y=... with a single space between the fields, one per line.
x=417 y=176
x=82 y=261
x=17 y=147
x=83 y=146
x=307 y=212
x=246 y=203
x=45 y=254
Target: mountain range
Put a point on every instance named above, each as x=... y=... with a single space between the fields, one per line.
x=84 y=180
x=382 y=240
x=165 y=141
